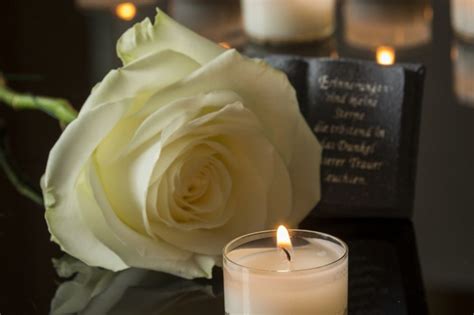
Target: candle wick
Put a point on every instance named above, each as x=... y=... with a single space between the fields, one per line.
x=288 y=256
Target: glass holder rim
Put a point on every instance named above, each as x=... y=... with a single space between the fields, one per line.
x=336 y=262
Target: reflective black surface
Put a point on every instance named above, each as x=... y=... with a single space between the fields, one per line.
x=58 y=48
x=383 y=267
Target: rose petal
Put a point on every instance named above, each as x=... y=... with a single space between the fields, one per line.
x=173 y=115
x=146 y=38
x=273 y=100
x=134 y=248
x=270 y=95
x=141 y=78
x=126 y=172
x=65 y=163
x=251 y=175
x=210 y=209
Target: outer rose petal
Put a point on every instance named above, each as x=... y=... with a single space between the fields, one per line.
x=146 y=38
x=65 y=163
x=141 y=78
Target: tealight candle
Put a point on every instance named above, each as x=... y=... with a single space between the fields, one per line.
x=284 y=21
x=462 y=12
x=303 y=272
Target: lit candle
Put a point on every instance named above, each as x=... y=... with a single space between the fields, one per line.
x=283 y=21
x=462 y=16
x=304 y=275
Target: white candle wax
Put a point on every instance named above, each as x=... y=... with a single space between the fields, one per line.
x=282 y=21
x=263 y=281
x=462 y=16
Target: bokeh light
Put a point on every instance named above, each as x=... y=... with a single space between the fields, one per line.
x=385 y=55
x=126 y=11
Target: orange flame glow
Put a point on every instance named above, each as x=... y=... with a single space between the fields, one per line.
x=225 y=45
x=385 y=55
x=126 y=11
x=283 y=238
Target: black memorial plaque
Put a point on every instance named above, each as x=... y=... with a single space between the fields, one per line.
x=366 y=117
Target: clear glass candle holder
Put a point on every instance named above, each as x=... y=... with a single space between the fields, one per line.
x=260 y=279
x=401 y=24
x=288 y=21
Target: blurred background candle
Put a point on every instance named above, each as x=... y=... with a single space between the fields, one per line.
x=463 y=72
x=216 y=20
x=259 y=278
x=462 y=17
x=400 y=24
x=287 y=21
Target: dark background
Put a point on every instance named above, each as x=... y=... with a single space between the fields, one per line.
x=53 y=48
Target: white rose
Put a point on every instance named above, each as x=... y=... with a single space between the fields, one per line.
x=182 y=149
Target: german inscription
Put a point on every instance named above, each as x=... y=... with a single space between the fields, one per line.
x=351 y=102
x=355 y=112
x=365 y=116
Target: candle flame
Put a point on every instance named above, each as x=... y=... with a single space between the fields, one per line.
x=385 y=55
x=283 y=238
x=126 y=11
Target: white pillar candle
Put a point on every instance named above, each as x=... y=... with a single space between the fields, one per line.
x=259 y=278
x=462 y=16
x=283 y=21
